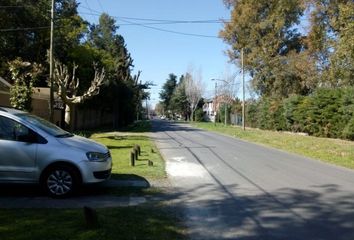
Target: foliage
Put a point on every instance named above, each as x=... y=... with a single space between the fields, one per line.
x=283 y=60
x=265 y=30
x=179 y=102
x=24 y=75
x=76 y=42
x=199 y=115
x=221 y=113
x=331 y=41
x=326 y=113
x=167 y=91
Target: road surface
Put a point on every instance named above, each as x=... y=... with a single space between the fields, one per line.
x=232 y=189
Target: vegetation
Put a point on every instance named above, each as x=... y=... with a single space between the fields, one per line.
x=303 y=79
x=183 y=98
x=152 y=220
x=283 y=60
x=122 y=143
x=24 y=75
x=142 y=222
x=77 y=43
x=333 y=151
x=325 y=113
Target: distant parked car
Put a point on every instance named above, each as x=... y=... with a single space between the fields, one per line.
x=33 y=150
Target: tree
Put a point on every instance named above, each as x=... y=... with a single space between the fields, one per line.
x=26 y=24
x=194 y=88
x=68 y=87
x=24 y=75
x=167 y=91
x=123 y=93
x=331 y=40
x=266 y=30
x=179 y=101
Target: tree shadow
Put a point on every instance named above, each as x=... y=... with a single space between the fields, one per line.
x=292 y=214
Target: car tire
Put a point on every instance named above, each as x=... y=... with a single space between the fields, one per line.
x=60 y=181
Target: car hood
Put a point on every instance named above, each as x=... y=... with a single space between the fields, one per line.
x=83 y=144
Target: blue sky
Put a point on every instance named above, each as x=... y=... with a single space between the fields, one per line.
x=158 y=53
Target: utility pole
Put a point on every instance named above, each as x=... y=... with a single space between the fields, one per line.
x=51 y=100
x=216 y=96
x=243 y=93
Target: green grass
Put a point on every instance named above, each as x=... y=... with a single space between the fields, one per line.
x=334 y=151
x=152 y=220
x=121 y=144
x=144 y=222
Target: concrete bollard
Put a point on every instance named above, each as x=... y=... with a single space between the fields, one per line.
x=137 y=147
x=136 y=153
x=150 y=163
x=132 y=158
x=91 y=218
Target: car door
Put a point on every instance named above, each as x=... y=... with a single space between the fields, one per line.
x=17 y=151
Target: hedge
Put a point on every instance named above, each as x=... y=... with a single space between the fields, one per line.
x=325 y=113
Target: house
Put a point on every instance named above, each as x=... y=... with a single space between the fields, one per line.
x=40 y=102
x=209 y=110
x=212 y=106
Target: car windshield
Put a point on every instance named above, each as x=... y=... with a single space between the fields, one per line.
x=44 y=125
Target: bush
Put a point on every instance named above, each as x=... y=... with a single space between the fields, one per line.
x=199 y=115
x=325 y=113
x=348 y=131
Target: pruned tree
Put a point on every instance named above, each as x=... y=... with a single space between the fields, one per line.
x=68 y=86
x=194 y=89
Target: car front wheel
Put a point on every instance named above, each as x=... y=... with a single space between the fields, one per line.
x=60 y=181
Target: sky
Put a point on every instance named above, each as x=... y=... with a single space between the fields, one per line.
x=159 y=52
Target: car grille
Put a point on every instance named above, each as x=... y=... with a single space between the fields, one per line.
x=102 y=174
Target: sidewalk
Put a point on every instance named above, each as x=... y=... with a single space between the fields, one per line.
x=94 y=201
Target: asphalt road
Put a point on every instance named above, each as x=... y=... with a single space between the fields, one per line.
x=232 y=189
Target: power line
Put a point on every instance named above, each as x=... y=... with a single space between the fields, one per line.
x=123 y=19
x=163 y=22
x=171 y=31
x=158 y=20
x=99 y=3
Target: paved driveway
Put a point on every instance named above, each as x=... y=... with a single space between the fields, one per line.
x=231 y=189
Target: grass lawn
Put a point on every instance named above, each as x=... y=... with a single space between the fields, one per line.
x=335 y=151
x=143 y=222
x=152 y=220
x=122 y=143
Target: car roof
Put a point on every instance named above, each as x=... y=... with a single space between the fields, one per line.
x=11 y=110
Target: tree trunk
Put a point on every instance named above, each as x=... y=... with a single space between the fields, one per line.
x=67 y=116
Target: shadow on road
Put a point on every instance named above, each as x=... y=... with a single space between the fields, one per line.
x=291 y=214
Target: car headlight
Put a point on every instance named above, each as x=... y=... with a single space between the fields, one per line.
x=96 y=156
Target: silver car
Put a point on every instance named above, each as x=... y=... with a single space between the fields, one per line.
x=33 y=150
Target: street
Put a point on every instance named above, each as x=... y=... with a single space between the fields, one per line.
x=232 y=189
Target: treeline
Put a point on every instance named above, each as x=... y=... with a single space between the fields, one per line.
x=300 y=56
x=183 y=99
x=325 y=113
x=25 y=36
